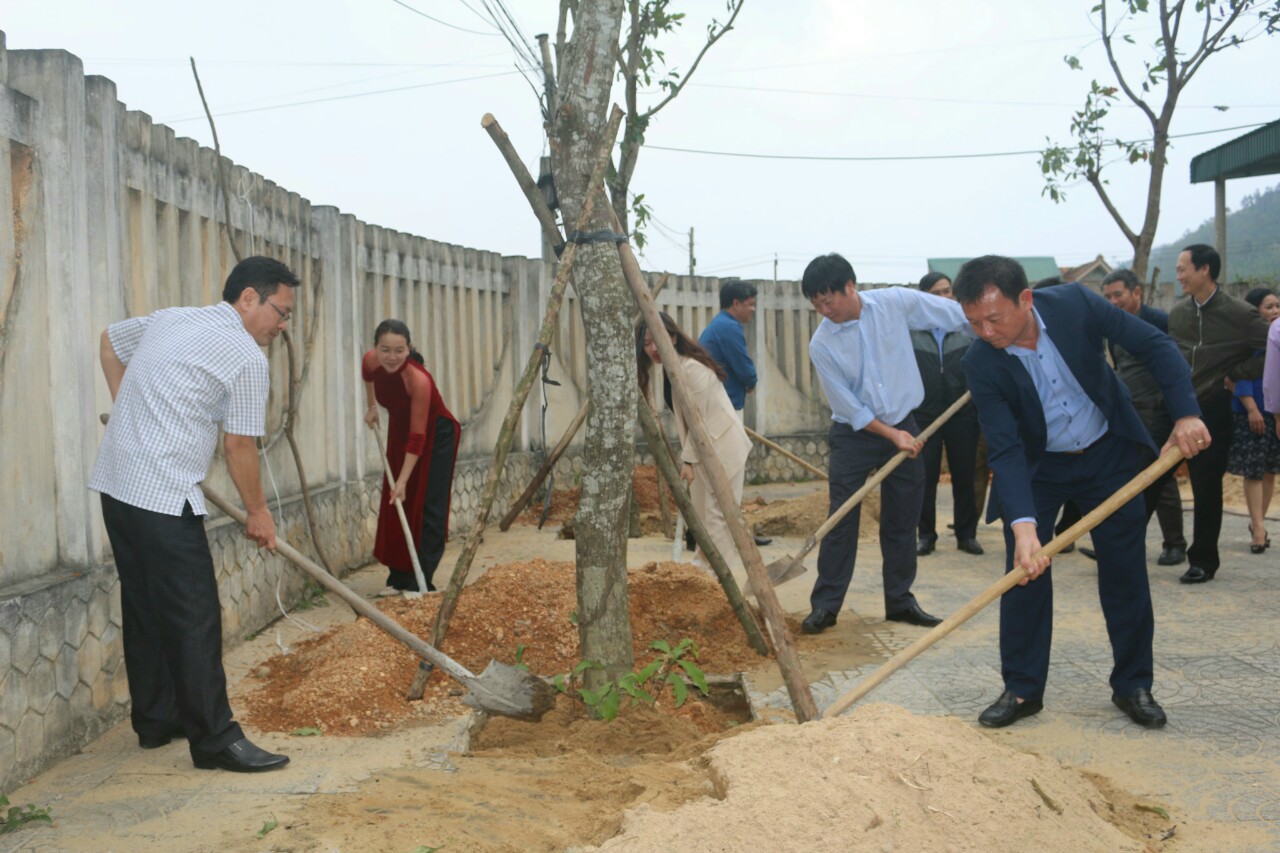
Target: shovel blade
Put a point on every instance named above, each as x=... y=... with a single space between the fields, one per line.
x=781 y=571
x=509 y=691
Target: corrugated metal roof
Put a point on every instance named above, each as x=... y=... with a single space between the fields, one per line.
x=1037 y=268
x=1255 y=153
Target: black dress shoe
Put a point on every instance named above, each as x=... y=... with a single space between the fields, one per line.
x=970 y=546
x=763 y=540
x=157 y=741
x=1195 y=574
x=241 y=757
x=1142 y=708
x=818 y=621
x=1088 y=552
x=1068 y=549
x=1172 y=556
x=1008 y=710
x=926 y=545
x=913 y=615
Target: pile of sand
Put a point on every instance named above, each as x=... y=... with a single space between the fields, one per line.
x=879 y=780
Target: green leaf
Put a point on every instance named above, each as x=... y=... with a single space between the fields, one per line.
x=573 y=617
x=608 y=708
x=585 y=665
x=1072 y=62
x=696 y=675
x=662 y=646
x=679 y=690
x=267 y=827
x=423 y=848
x=558 y=683
x=591 y=697
x=1142 y=807
x=649 y=671
x=306 y=731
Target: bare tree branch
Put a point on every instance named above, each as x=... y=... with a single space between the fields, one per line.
x=217 y=150
x=1115 y=69
x=712 y=38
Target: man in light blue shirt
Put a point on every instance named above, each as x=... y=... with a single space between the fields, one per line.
x=863 y=354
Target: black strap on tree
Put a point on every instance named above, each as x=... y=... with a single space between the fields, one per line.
x=546 y=380
x=602 y=236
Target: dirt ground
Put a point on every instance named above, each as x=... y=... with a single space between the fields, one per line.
x=374 y=772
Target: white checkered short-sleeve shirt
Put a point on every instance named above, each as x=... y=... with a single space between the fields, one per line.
x=187 y=371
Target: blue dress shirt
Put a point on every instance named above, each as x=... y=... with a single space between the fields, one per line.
x=726 y=340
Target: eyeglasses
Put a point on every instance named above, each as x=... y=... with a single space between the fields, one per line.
x=285 y=316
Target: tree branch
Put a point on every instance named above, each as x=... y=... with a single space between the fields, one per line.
x=1115 y=69
x=217 y=150
x=1096 y=182
x=711 y=39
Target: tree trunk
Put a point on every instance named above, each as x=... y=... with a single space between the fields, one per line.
x=586 y=78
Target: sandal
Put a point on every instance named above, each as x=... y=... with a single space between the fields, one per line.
x=1258 y=549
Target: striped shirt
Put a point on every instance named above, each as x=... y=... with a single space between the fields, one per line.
x=867 y=366
x=189 y=370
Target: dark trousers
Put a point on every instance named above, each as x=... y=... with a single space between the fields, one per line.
x=1162 y=496
x=960 y=437
x=853 y=456
x=1026 y=612
x=1208 y=469
x=435 y=509
x=172 y=625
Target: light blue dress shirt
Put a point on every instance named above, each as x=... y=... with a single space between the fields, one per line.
x=1072 y=422
x=867 y=366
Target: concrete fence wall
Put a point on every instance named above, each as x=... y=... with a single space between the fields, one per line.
x=114 y=216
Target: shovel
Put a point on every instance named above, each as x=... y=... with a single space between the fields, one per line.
x=500 y=689
x=1011 y=579
x=404 y=521
x=783 y=570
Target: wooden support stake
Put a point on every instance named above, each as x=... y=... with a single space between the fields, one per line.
x=775 y=618
x=822 y=475
x=449 y=601
x=546 y=218
x=668 y=472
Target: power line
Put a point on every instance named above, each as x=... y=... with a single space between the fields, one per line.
x=910 y=157
x=342 y=97
x=442 y=23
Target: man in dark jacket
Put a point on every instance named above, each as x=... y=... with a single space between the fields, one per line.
x=1123 y=290
x=1219 y=336
x=938 y=355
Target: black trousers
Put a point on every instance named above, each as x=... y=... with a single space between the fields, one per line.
x=853 y=456
x=1208 y=469
x=172 y=625
x=435 y=510
x=1026 y=612
x=960 y=438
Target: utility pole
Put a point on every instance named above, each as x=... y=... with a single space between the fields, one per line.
x=775 y=269
x=693 y=262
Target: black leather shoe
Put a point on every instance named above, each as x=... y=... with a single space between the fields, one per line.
x=761 y=541
x=913 y=615
x=1008 y=710
x=157 y=741
x=818 y=621
x=241 y=757
x=970 y=546
x=926 y=545
x=1068 y=549
x=1195 y=574
x=1142 y=708
x=1088 y=552
x=1172 y=556
x=690 y=544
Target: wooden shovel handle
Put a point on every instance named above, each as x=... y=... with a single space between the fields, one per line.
x=1100 y=513
x=816 y=471
x=404 y=520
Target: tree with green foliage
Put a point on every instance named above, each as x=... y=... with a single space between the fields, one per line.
x=1191 y=31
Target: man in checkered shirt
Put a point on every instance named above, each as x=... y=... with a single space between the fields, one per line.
x=175 y=376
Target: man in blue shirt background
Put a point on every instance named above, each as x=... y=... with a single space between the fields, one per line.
x=726 y=340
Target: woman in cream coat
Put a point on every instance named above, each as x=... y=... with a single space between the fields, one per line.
x=705 y=380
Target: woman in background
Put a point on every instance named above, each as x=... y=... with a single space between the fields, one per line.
x=705 y=380
x=422 y=444
x=1255 y=449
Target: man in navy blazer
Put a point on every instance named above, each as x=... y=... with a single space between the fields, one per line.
x=1060 y=426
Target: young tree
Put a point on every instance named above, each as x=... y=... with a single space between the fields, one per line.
x=577 y=101
x=1190 y=33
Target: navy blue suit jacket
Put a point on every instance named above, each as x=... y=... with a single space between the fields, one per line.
x=1078 y=321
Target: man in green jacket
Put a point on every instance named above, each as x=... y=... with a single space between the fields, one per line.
x=1220 y=337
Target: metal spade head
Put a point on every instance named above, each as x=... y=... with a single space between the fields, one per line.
x=510 y=691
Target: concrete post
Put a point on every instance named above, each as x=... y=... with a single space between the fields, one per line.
x=1220 y=224
x=56 y=79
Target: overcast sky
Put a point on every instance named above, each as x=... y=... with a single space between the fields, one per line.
x=375 y=109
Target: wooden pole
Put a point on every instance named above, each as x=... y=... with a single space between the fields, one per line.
x=775 y=618
x=449 y=601
x=1100 y=514
x=668 y=472
x=822 y=475
x=561 y=446
x=546 y=218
